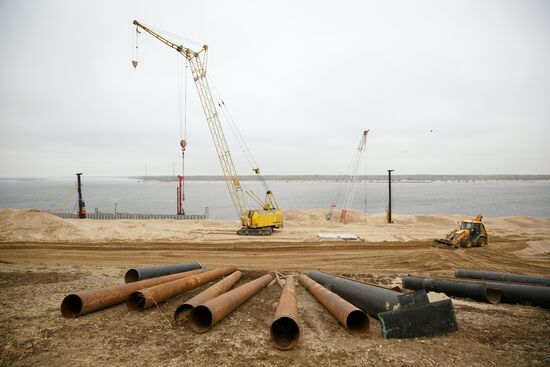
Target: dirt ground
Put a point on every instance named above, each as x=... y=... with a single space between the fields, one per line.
x=34 y=278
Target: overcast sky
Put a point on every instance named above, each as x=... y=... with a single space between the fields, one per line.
x=445 y=87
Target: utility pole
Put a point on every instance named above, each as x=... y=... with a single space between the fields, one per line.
x=389 y=219
x=81 y=204
x=115 y=207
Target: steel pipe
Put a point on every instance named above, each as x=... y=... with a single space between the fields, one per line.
x=145 y=298
x=221 y=287
x=479 y=291
x=526 y=294
x=370 y=298
x=353 y=319
x=502 y=277
x=137 y=274
x=77 y=304
x=284 y=330
x=209 y=313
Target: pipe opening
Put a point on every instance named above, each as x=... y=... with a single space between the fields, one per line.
x=200 y=319
x=131 y=276
x=357 y=322
x=182 y=314
x=71 y=306
x=493 y=295
x=136 y=301
x=285 y=332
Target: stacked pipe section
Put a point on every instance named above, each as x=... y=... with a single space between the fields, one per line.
x=145 y=298
x=352 y=318
x=487 y=291
x=137 y=274
x=284 y=330
x=182 y=312
x=77 y=304
x=209 y=313
x=369 y=298
x=502 y=277
x=478 y=291
x=401 y=315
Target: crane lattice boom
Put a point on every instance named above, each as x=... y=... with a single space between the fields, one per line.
x=198 y=71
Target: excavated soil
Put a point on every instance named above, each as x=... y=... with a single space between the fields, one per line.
x=34 y=278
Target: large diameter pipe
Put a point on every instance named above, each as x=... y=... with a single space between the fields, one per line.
x=145 y=298
x=219 y=288
x=77 y=304
x=209 y=313
x=137 y=274
x=285 y=331
x=502 y=277
x=479 y=291
x=527 y=294
x=353 y=319
x=370 y=298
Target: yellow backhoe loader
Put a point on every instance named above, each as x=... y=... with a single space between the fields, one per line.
x=469 y=233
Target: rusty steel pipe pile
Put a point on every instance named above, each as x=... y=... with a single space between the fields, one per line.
x=209 y=313
x=77 y=304
x=502 y=277
x=284 y=330
x=355 y=320
x=145 y=298
x=137 y=274
x=181 y=313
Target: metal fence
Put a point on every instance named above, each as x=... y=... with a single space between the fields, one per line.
x=113 y=216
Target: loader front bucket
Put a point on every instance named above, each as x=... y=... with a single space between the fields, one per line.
x=444 y=241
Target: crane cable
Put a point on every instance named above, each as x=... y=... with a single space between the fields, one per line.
x=365 y=181
x=239 y=137
x=182 y=115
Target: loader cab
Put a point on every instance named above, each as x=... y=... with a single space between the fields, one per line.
x=475 y=227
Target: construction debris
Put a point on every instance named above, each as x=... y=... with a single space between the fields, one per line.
x=339 y=236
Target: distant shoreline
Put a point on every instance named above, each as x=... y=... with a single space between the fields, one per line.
x=325 y=178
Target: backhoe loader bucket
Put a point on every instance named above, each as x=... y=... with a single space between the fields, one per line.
x=446 y=242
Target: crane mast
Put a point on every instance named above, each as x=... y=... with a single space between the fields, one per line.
x=198 y=71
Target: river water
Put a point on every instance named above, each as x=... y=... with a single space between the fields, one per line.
x=493 y=198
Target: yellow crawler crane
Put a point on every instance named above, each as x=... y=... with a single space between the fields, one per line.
x=469 y=233
x=254 y=222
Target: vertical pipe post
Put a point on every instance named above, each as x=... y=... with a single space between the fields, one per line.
x=389 y=196
x=81 y=204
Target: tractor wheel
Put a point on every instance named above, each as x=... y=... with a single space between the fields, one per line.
x=481 y=241
x=467 y=242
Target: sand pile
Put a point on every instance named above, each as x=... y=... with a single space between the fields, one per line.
x=35 y=225
x=21 y=225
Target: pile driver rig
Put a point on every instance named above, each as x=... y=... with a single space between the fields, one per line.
x=346 y=191
x=254 y=222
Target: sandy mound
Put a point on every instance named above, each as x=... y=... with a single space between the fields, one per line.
x=535 y=248
x=35 y=225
